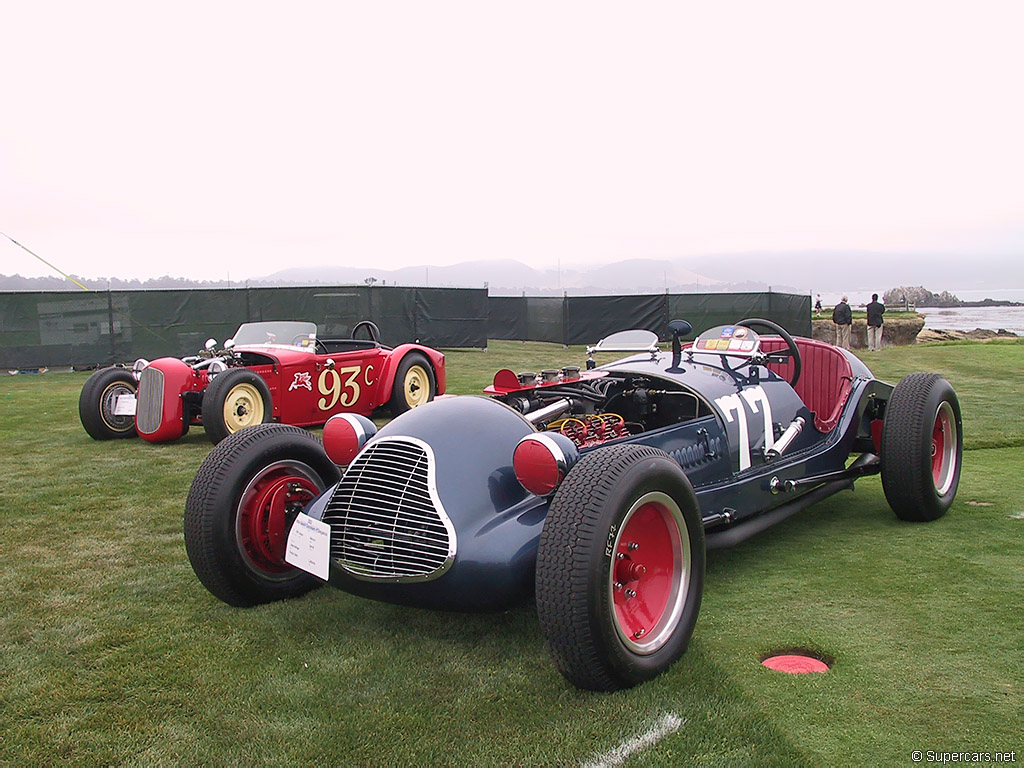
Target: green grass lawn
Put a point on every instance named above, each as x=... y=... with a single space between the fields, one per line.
x=114 y=653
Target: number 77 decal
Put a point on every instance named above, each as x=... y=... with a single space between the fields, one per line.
x=733 y=410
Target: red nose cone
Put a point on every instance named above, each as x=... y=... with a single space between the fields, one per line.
x=344 y=436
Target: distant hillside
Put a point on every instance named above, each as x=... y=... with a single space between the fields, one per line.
x=792 y=272
x=19 y=283
x=509 y=277
x=506 y=277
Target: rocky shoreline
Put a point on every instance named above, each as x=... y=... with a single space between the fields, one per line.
x=978 y=334
x=901 y=332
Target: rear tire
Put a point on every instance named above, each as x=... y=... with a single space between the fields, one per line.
x=241 y=506
x=620 y=568
x=235 y=399
x=414 y=384
x=922 y=447
x=97 y=400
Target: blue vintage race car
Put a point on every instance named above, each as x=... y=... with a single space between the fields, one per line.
x=598 y=490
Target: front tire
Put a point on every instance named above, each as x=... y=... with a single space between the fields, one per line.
x=620 y=568
x=235 y=399
x=922 y=447
x=241 y=505
x=98 y=399
x=414 y=384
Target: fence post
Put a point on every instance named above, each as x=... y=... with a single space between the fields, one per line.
x=416 y=314
x=565 y=320
x=110 y=325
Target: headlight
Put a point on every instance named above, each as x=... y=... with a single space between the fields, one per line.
x=542 y=460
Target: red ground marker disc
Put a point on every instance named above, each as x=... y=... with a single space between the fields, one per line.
x=795 y=664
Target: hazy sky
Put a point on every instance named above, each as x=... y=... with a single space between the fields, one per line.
x=208 y=139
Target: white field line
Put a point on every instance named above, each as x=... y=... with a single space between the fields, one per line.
x=666 y=724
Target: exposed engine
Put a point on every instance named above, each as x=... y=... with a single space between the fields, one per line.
x=597 y=410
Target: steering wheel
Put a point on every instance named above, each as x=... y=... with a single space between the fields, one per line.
x=371 y=330
x=321 y=348
x=792 y=351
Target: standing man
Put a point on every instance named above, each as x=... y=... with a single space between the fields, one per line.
x=875 y=310
x=842 y=316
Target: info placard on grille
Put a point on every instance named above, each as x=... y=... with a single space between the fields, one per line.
x=309 y=546
x=124 y=405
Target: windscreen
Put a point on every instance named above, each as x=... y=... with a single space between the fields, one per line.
x=288 y=333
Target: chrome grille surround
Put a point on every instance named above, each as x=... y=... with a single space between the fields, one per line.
x=387 y=521
x=149 y=408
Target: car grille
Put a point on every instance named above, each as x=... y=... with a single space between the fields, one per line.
x=387 y=522
x=149 y=407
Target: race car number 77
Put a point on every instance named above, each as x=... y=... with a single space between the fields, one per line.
x=757 y=401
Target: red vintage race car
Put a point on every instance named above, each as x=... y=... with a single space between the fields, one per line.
x=267 y=372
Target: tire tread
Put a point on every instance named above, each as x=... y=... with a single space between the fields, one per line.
x=906 y=479
x=211 y=490
x=569 y=541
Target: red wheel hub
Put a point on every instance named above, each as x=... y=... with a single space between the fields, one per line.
x=646 y=571
x=263 y=516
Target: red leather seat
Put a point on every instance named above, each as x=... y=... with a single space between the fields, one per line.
x=825 y=379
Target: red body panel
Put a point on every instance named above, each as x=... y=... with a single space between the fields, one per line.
x=307 y=392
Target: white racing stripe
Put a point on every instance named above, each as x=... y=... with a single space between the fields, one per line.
x=666 y=724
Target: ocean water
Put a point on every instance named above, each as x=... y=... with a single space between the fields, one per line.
x=969 y=318
x=959 y=318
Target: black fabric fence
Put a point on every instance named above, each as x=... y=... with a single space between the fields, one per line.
x=57 y=328
x=586 y=319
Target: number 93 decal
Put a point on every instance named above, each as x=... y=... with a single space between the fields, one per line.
x=756 y=400
x=342 y=386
